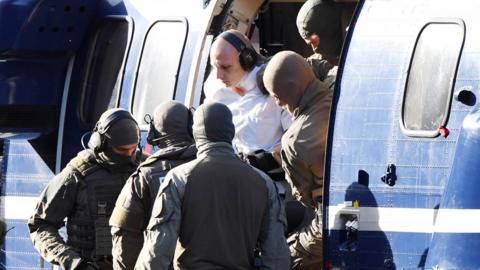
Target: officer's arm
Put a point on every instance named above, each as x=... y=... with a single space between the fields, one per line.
x=298 y=173
x=320 y=66
x=303 y=152
x=56 y=202
x=273 y=245
x=128 y=222
x=162 y=231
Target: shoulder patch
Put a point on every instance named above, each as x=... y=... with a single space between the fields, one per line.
x=150 y=160
x=83 y=166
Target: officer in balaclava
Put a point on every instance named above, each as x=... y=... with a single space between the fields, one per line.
x=218 y=207
x=171 y=132
x=84 y=192
x=319 y=24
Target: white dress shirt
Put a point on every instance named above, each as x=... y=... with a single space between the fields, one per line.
x=259 y=122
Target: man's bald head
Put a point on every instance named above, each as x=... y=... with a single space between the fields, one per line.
x=238 y=34
x=224 y=57
x=286 y=77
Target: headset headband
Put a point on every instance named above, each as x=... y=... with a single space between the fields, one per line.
x=234 y=41
x=103 y=126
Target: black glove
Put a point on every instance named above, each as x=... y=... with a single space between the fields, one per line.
x=87 y=265
x=265 y=162
x=262 y=160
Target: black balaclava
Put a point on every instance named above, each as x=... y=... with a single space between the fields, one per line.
x=322 y=17
x=173 y=124
x=122 y=132
x=212 y=122
x=287 y=75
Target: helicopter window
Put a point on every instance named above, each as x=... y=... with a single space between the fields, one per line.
x=103 y=76
x=431 y=77
x=159 y=66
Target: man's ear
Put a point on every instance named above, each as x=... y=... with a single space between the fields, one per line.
x=293 y=92
x=315 y=40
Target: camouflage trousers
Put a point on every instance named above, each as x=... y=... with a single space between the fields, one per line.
x=306 y=245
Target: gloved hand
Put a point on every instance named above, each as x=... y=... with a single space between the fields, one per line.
x=266 y=162
x=263 y=160
x=87 y=265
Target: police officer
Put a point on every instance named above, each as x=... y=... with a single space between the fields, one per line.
x=319 y=24
x=84 y=192
x=218 y=207
x=290 y=80
x=170 y=130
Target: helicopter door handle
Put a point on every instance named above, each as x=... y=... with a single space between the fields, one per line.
x=390 y=176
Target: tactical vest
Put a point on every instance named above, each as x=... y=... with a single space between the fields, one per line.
x=134 y=215
x=87 y=227
x=155 y=168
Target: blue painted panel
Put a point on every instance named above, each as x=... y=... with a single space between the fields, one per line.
x=37 y=27
x=12 y=14
x=18 y=251
x=26 y=172
x=366 y=133
x=32 y=81
x=375 y=250
x=461 y=193
x=37 y=43
x=454 y=251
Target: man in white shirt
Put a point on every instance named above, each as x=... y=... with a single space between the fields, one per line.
x=259 y=123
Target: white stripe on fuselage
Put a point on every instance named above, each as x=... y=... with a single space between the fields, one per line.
x=419 y=220
x=17 y=207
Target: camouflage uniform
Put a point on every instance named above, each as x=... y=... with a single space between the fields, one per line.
x=84 y=193
x=218 y=207
x=134 y=204
x=303 y=157
x=323 y=70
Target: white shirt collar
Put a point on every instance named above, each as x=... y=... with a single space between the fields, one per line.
x=249 y=80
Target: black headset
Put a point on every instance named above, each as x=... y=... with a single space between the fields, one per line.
x=97 y=139
x=153 y=136
x=248 y=56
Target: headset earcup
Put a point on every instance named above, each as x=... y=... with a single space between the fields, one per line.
x=152 y=134
x=248 y=59
x=95 y=141
x=243 y=64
